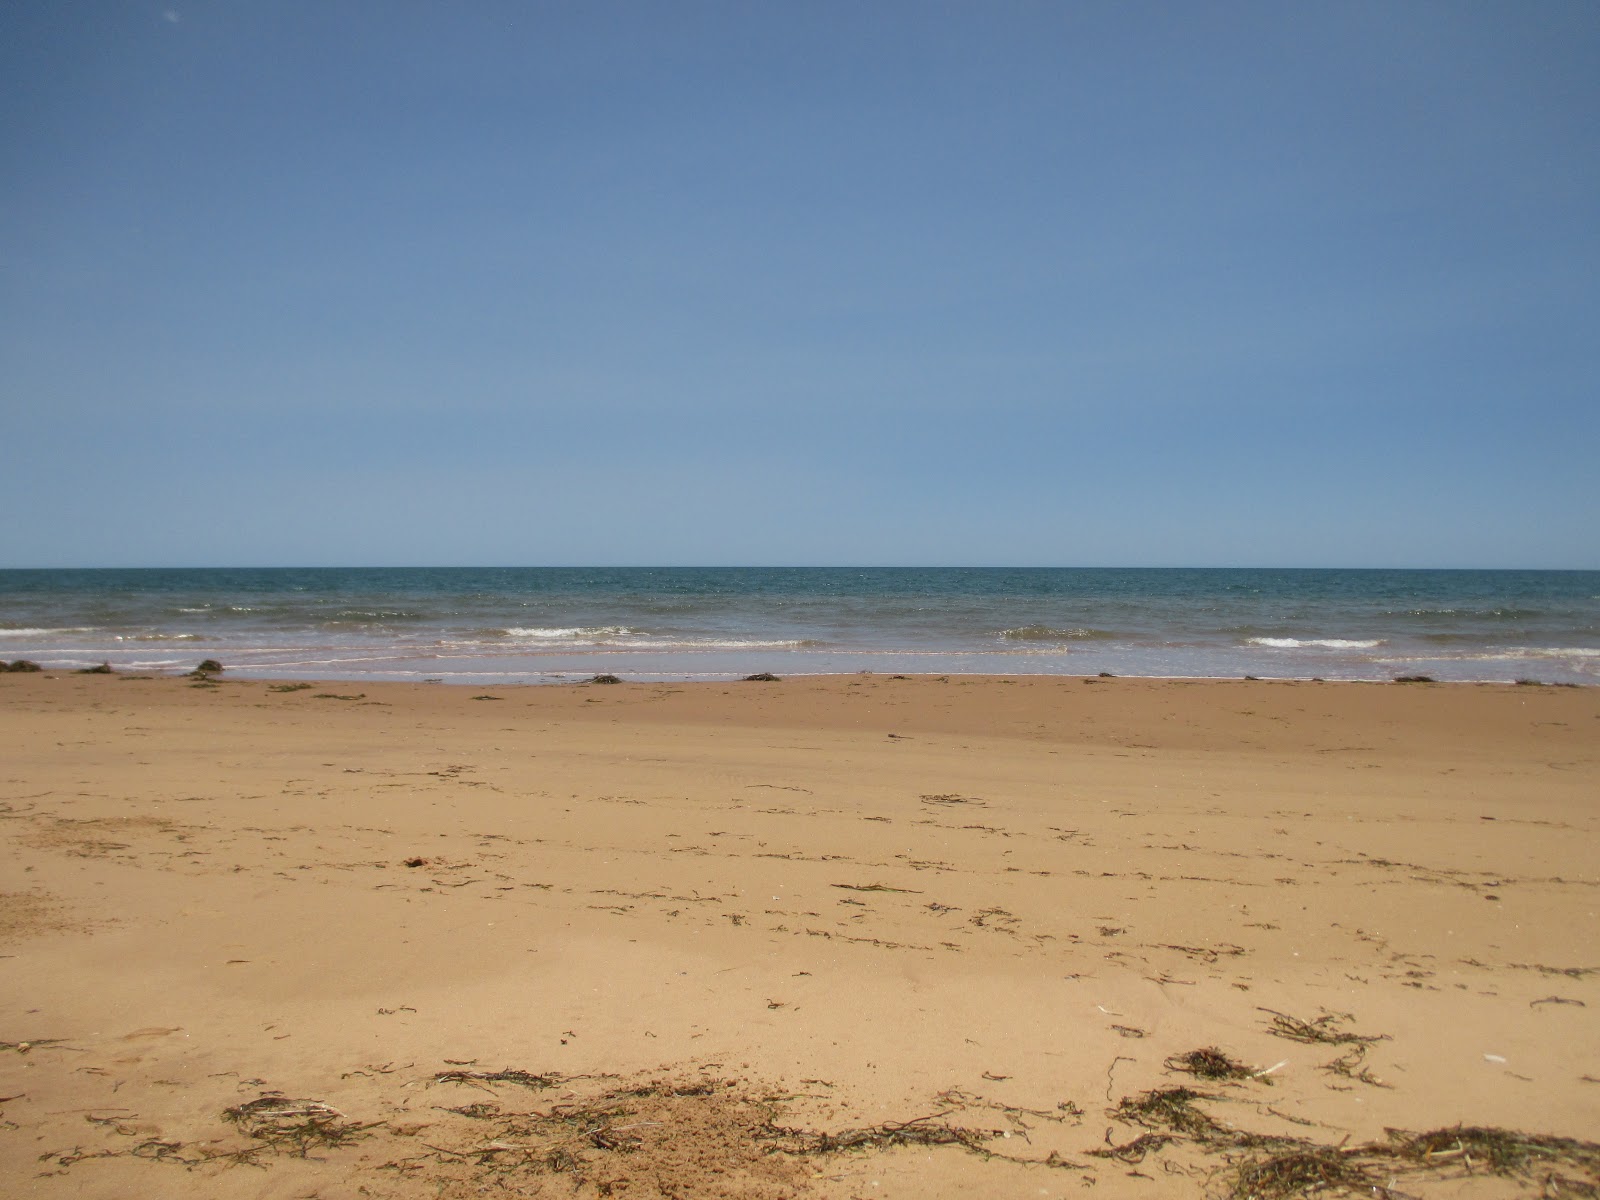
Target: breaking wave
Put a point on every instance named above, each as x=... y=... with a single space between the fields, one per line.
x=1324 y=643
x=1044 y=633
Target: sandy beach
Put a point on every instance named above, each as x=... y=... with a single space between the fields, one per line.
x=855 y=936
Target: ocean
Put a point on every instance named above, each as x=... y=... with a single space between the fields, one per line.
x=485 y=626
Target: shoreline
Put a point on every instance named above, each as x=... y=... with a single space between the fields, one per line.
x=568 y=676
x=1012 y=901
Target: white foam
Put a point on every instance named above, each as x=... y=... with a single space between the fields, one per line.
x=46 y=632
x=572 y=633
x=1325 y=643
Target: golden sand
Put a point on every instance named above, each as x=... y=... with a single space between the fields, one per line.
x=832 y=937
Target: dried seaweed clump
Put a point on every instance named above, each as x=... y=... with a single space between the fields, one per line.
x=878 y=1137
x=510 y=1075
x=1503 y=1151
x=295 y=1125
x=662 y=1139
x=1304 y=1171
x=1324 y=1031
x=1371 y=1169
x=1169 y=1108
x=1211 y=1063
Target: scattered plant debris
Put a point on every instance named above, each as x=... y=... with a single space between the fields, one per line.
x=1302 y=1171
x=296 y=1125
x=525 y=1078
x=1415 y=679
x=1349 y=1065
x=1211 y=1063
x=103 y=669
x=762 y=677
x=1324 y=1030
x=874 y=887
x=1170 y=1109
x=290 y=687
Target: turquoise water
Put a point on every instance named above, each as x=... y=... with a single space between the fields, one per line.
x=501 y=625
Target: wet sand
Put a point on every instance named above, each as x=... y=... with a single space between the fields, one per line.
x=704 y=932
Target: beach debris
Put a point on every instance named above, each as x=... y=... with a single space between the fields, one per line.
x=1325 y=1030
x=915 y=1132
x=602 y=679
x=291 y=687
x=477 y=1078
x=296 y=1125
x=103 y=669
x=1132 y=1152
x=1210 y=1063
x=952 y=798
x=1106 y=675
x=418 y=861
x=21 y=665
x=1301 y=1172
x=1415 y=679
x=1169 y=1109
x=1349 y=1065
x=32 y=1044
x=761 y=677
x=872 y=887
x=1302 y=1169
x=208 y=666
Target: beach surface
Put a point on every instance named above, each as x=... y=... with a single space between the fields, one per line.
x=855 y=936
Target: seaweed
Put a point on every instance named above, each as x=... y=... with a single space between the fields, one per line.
x=525 y=1078
x=1211 y=1063
x=1171 y=1109
x=1298 y=1172
x=1324 y=1030
x=296 y=1125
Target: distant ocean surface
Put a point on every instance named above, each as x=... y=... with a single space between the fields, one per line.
x=544 y=625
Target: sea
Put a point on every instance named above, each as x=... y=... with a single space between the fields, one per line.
x=503 y=625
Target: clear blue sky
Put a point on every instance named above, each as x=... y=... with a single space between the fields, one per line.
x=327 y=282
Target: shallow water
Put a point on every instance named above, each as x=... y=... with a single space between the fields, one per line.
x=501 y=625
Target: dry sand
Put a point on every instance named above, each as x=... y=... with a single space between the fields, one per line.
x=842 y=937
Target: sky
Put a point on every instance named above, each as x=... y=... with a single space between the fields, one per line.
x=611 y=282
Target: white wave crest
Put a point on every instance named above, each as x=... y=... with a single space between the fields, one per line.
x=572 y=633
x=1325 y=643
x=46 y=632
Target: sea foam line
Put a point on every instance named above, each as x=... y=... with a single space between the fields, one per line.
x=1325 y=643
